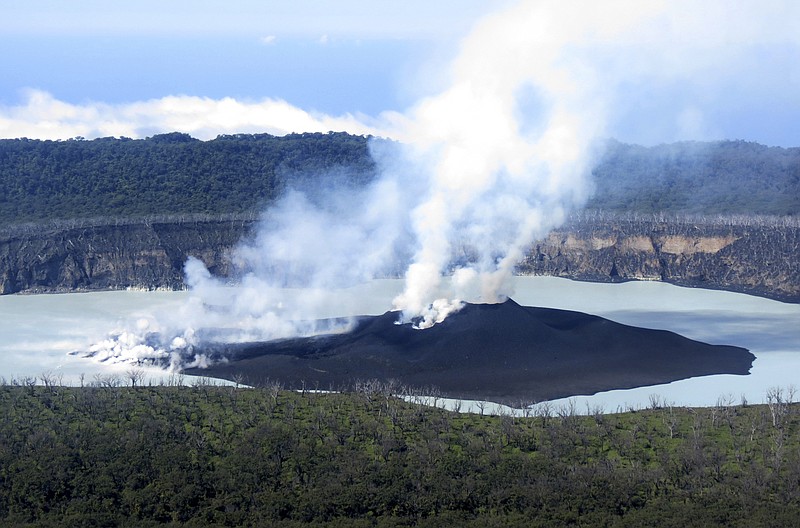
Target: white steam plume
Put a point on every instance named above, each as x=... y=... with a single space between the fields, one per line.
x=502 y=174
x=497 y=182
x=497 y=158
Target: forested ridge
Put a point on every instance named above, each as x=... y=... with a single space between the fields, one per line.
x=112 y=455
x=177 y=174
x=169 y=173
x=723 y=177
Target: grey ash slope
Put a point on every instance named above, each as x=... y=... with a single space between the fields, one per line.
x=498 y=352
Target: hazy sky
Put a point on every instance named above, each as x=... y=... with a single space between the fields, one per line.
x=95 y=68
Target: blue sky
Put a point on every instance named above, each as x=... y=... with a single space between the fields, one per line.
x=338 y=77
x=342 y=64
x=334 y=57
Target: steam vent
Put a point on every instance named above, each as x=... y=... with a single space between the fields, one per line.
x=504 y=353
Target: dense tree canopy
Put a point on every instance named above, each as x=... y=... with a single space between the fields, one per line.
x=216 y=456
x=177 y=174
x=726 y=177
x=168 y=173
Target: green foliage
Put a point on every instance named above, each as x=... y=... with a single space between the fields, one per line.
x=177 y=174
x=725 y=177
x=170 y=173
x=222 y=456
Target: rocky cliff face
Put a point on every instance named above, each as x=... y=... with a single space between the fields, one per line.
x=756 y=257
x=113 y=256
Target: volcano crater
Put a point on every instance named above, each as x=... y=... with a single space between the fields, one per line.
x=503 y=352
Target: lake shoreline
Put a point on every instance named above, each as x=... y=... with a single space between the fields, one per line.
x=40 y=331
x=763 y=293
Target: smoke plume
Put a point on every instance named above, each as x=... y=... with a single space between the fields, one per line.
x=498 y=157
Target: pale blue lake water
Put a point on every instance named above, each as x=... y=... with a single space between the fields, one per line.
x=37 y=332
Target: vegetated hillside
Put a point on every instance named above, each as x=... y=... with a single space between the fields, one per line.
x=176 y=174
x=724 y=177
x=226 y=456
x=170 y=173
x=94 y=214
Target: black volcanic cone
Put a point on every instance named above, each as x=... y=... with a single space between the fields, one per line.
x=498 y=352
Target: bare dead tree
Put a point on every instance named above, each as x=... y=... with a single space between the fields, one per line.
x=778 y=406
x=656 y=402
x=135 y=375
x=273 y=388
x=109 y=381
x=49 y=380
x=544 y=411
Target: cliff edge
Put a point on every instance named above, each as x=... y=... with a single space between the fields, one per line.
x=753 y=255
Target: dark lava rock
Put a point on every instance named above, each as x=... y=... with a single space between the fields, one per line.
x=498 y=352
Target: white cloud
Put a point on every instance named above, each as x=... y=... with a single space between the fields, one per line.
x=269 y=39
x=42 y=116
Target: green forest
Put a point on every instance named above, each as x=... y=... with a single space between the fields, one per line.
x=242 y=173
x=170 y=173
x=115 y=454
x=724 y=177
